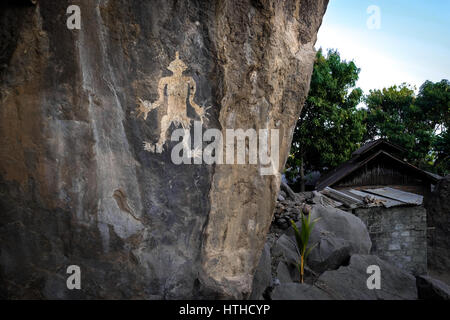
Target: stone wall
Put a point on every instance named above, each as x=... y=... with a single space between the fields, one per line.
x=398 y=235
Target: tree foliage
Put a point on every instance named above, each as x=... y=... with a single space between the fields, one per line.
x=330 y=126
x=434 y=100
x=417 y=123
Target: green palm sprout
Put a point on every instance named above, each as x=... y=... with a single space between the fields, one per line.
x=302 y=239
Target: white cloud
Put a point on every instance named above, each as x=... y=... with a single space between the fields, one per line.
x=379 y=68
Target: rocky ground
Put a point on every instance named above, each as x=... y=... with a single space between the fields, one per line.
x=337 y=267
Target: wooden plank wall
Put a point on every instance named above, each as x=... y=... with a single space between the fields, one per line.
x=384 y=174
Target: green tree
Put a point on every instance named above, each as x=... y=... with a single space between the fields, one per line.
x=434 y=101
x=441 y=146
x=417 y=123
x=330 y=126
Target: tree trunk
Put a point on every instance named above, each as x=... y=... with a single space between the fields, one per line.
x=302 y=176
x=302 y=270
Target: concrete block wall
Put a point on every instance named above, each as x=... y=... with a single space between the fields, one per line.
x=398 y=235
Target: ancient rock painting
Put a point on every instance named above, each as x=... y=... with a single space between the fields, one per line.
x=178 y=89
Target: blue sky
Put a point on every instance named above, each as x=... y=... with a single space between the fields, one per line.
x=412 y=44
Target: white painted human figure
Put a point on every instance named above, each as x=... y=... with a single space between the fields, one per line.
x=178 y=87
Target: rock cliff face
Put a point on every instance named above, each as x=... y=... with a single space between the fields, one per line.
x=76 y=185
x=438 y=209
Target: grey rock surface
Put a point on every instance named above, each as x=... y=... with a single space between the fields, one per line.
x=340 y=225
x=332 y=253
x=285 y=249
x=287 y=273
x=350 y=282
x=297 y=291
x=77 y=186
x=438 y=220
x=432 y=289
x=263 y=275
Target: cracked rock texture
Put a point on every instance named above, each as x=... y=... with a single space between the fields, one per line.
x=76 y=186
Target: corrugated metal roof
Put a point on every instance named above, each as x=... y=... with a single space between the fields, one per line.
x=402 y=196
x=386 y=197
x=348 y=200
x=376 y=200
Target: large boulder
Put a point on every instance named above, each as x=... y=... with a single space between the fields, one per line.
x=285 y=249
x=350 y=282
x=81 y=179
x=432 y=289
x=287 y=273
x=263 y=275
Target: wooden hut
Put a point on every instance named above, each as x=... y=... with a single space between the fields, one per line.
x=378 y=164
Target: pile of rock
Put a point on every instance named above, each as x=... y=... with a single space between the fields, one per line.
x=286 y=210
x=289 y=206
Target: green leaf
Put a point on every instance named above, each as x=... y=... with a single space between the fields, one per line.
x=297 y=235
x=309 y=250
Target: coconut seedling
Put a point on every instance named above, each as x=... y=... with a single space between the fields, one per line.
x=302 y=240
